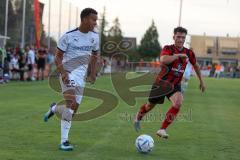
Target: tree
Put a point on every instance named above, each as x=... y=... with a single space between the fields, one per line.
x=15 y=10
x=44 y=40
x=2 y=15
x=103 y=36
x=115 y=32
x=13 y=27
x=149 y=45
x=114 y=37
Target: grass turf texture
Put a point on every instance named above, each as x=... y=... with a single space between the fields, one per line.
x=210 y=129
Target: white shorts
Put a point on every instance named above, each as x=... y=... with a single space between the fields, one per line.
x=76 y=82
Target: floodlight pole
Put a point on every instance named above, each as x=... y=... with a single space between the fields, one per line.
x=180 y=13
x=49 y=23
x=60 y=18
x=23 y=25
x=6 y=22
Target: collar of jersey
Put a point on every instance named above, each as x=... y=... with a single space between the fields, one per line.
x=81 y=32
x=178 y=49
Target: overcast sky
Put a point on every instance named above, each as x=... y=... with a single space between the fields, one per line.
x=214 y=17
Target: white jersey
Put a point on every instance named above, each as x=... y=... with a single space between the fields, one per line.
x=14 y=63
x=188 y=71
x=30 y=57
x=77 y=48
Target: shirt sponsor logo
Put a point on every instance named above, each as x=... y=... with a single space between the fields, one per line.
x=83 y=48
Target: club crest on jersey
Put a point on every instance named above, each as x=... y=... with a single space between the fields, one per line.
x=92 y=40
x=179 y=66
x=178 y=69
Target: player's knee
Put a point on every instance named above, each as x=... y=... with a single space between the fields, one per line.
x=70 y=103
x=150 y=106
x=75 y=107
x=66 y=114
x=177 y=104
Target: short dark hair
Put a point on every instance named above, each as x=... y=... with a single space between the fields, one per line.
x=86 y=12
x=180 y=29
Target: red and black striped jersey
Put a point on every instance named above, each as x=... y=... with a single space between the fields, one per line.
x=174 y=71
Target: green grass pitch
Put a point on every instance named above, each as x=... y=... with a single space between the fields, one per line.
x=208 y=128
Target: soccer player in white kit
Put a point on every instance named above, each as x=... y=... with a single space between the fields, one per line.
x=186 y=77
x=76 y=51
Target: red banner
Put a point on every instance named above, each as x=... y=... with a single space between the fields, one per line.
x=37 y=22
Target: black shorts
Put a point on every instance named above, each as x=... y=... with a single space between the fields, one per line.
x=156 y=97
x=30 y=67
x=41 y=64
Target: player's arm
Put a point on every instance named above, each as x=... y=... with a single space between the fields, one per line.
x=198 y=72
x=196 y=67
x=59 y=65
x=92 y=68
x=167 y=59
x=61 y=48
x=93 y=61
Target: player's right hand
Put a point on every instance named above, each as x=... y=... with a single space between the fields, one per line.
x=91 y=79
x=202 y=86
x=65 y=77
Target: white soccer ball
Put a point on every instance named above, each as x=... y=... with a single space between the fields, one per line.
x=144 y=143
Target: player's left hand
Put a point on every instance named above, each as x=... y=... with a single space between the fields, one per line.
x=202 y=86
x=91 y=79
x=182 y=56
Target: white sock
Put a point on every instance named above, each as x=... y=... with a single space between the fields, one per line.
x=54 y=108
x=65 y=127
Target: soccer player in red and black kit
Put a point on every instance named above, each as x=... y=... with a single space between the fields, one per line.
x=175 y=58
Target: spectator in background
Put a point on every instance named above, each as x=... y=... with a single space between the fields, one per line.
x=30 y=63
x=212 y=71
x=157 y=64
x=1 y=75
x=217 y=70
x=17 y=49
x=103 y=65
x=41 y=62
x=141 y=63
x=222 y=70
x=14 y=67
x=50 y=61
x=186 y=77
x=152 y=63
x=234 y=71
x=9 y=54
x=21 y=63
x=6 y=70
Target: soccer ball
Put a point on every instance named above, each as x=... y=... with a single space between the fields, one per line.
x=144 y=143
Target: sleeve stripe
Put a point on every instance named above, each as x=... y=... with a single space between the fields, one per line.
x=95 y=52
x=61 y=49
